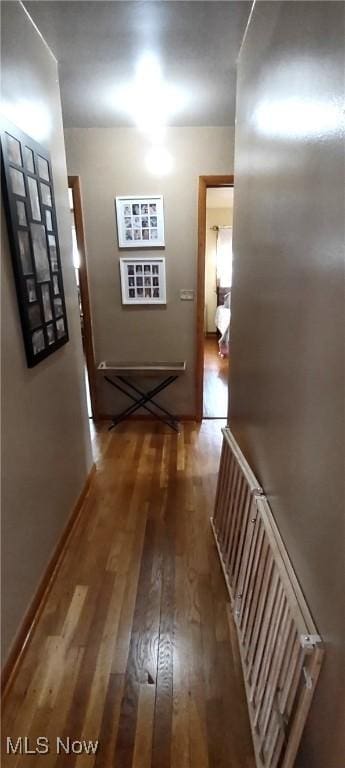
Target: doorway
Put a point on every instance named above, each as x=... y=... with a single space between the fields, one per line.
x=80 y=266
x=214 y=295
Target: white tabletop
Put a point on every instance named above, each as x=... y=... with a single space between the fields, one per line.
x=143 y=368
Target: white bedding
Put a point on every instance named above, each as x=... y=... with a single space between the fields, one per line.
x=222 y=319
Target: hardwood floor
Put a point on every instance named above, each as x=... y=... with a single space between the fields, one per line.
x=216 y=372
x=135 y=646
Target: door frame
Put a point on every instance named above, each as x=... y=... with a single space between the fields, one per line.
x=74 y=184
x=205 y=182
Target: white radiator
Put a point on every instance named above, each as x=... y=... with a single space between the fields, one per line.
x=280 y=648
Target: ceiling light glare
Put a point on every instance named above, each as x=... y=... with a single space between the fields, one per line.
x=149 y=100
x=159 y=161
x=157 y=135
x=148 y=70
x=149 y=116
x=152 y=111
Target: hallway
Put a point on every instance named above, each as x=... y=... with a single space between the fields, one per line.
x=216 y=372
x=134 y=646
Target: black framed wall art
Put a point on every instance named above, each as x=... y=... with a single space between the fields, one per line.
x=31 y=219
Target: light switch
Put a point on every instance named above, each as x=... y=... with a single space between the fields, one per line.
x=187 y=294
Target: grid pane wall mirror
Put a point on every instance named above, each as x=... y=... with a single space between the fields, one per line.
x=32 y=229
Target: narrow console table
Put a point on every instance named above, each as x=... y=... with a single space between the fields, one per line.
x=124 y=377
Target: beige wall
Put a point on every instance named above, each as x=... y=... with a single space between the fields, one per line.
x=112 y=162
x=219 y=217
x=287 y=333
x=45 y=437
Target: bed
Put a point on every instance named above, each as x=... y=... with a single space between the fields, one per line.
x=222 y=319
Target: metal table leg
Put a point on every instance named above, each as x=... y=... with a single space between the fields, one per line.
x=142 y=402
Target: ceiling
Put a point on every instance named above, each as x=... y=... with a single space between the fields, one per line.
x=98 y=43
x=220 y=197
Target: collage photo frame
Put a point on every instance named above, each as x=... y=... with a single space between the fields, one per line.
x=140 y=221
x=33 y=236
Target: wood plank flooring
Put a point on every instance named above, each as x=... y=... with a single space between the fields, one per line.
x=216 y=374
x=134 y=647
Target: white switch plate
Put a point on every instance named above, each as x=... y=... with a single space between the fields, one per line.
x=187 y=294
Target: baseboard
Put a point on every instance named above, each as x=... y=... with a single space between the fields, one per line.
x=28 y=624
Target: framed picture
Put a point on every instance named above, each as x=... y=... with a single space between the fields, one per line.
x=143 y=280
x=140 y=221
x=31 y=221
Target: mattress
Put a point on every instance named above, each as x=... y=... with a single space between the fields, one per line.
x=222 y=319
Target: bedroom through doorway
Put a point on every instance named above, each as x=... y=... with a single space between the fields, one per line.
x=218 y=276
x=214 y=294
